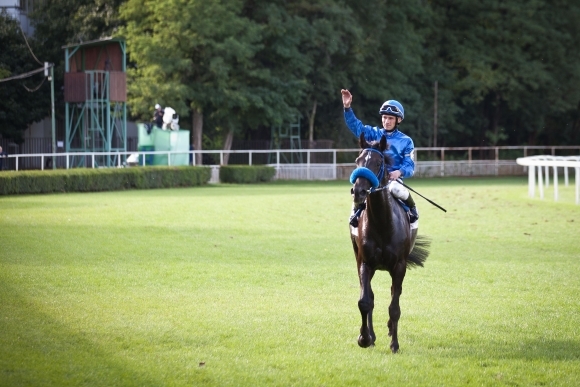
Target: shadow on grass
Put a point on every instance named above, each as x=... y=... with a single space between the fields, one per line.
x=543 y=349
x=527 y=350
x=35 y=349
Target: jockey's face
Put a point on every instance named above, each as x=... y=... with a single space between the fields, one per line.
x=389 y=122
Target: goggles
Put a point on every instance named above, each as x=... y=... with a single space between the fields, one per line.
x=390 y=109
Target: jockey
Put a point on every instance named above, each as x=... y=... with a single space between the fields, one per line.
x=400 y=150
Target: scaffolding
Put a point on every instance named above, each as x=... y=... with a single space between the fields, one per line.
x=95 y=94
x=286 y=134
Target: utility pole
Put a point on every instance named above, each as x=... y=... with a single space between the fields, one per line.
x=435 y=114
x=51 y=80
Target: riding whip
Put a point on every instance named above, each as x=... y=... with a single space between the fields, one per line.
x=430 y=201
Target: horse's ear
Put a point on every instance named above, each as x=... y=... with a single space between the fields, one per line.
x=383 y=143
x=362 y=142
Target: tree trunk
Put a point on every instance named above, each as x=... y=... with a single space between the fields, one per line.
x=197 y=125
x=228 y=144
x=311 y=117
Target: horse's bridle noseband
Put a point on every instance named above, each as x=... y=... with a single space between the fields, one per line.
x=366 y=173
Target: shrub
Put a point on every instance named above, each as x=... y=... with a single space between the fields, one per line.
x=243 y=174
x=110 y=179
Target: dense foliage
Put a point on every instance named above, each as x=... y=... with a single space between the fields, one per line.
x=507 y=71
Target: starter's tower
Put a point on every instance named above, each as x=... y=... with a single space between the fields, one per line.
x=95 y=95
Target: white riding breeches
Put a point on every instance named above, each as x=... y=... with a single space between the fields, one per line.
x=398 y=190
x=402 y=193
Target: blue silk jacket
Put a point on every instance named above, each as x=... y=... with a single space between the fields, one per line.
x=401 y=148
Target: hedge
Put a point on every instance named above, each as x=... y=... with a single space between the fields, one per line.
x=243 y=174
x=110 y=179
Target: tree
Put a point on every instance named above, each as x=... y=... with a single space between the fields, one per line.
x=20 y=107
x=201 y=57
x=508 y=58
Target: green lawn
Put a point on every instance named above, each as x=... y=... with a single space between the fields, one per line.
x=254 y=285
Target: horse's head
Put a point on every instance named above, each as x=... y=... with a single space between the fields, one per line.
x=371 y=168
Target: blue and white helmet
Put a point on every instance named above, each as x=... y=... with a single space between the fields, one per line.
x=393 y=108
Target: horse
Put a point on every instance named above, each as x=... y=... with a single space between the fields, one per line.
x=382 y=239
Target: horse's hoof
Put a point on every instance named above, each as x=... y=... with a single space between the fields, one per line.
x=394 y=348
x=365 y=342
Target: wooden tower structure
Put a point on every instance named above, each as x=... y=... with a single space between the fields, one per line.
x=95 y=95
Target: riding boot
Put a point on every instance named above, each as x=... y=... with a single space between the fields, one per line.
x=413 y=213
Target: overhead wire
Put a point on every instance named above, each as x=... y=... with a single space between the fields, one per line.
x=37 y=87
x=29 y=73
x=27 y=45
x=24 y=75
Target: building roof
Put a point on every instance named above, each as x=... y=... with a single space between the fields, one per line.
x=97 y=42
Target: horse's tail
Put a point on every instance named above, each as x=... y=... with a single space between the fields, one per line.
x=420 y=252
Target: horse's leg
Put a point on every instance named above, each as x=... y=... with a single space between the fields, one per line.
x=365 y=305
x=397 y=275
x=370 y=315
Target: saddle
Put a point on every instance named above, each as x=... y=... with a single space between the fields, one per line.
x=353 y=220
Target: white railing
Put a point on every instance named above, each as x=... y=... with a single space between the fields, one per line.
x=315 y=164
x=547 y=163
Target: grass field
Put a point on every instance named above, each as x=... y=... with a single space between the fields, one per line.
x=256 y=285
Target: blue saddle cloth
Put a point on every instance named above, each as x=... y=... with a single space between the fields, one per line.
x=402 y=204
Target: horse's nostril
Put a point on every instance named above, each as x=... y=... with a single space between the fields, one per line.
x=352 y=191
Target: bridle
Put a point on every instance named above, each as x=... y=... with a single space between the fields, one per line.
x=364 y=172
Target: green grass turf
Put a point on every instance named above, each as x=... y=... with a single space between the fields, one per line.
x=233 y=285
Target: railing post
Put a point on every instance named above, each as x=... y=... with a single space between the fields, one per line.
x=442 y=162
x=67 y=161
x=250 y=158
x=566 y=176
x=93 y=160
x=469 y=157
x=555 y=183
x=334 y=164
x=16 y=162
x=531 y=181
x=496 y=161
x=308 y=165
x=547 y=171
x=540 y=182
x=42 y=163
x=577 y=183
x=278 y=164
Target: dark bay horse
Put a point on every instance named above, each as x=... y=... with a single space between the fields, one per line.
x=383 y=239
